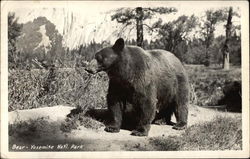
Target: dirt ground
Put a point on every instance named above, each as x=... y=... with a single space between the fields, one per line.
x=83 y=139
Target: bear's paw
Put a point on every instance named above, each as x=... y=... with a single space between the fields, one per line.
x=112 y=129
x=138 y=133
x=180 y=126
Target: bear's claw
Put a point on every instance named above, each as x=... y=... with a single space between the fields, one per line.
x=180 y=126
x=112 y=129
x=138 y=133
x=170 y=123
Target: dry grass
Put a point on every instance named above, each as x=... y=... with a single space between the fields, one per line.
x=78 y=120
x=75 y=87
x=38 y=88
x=223 y=133
x=31 y=129
x=42 y=132
x=207 y=83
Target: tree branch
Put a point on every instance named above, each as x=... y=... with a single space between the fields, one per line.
x=152 y=29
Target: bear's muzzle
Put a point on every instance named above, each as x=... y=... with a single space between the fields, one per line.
x=93 y=67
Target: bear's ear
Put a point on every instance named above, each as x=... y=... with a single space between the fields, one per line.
x=119 y=45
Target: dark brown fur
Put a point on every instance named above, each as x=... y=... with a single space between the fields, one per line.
x=149 y=84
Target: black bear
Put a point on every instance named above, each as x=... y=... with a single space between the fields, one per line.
x=151 y=84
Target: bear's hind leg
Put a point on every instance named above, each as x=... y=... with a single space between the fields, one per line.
x=181 y=108
x=181 y=118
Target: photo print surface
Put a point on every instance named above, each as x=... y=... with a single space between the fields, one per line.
x=119 y=77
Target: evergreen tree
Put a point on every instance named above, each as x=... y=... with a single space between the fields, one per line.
x=137 y=16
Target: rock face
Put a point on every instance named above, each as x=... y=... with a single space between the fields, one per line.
x=42 y=37
x=73 y=25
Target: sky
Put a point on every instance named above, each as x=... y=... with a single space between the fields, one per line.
x=83 y=22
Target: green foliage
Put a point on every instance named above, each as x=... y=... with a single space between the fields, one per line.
x=223 y=133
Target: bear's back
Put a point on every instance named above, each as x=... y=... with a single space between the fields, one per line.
x=166 y=58
x=158 y=60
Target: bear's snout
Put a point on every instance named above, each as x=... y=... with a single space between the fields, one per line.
x=92 y=67
x=90 y=71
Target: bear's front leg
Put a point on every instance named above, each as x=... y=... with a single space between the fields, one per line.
x=146 y=113
x=115 y=111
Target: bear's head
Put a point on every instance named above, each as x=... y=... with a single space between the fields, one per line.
x=106 y=58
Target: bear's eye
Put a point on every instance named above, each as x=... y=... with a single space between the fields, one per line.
x=99 y=59
x=104 y=60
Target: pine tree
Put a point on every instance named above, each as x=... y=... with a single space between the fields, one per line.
x=137 y=16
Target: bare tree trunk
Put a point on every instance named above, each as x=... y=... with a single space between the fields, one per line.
x=207 y=44
x=228 y=35
x=207 y=57
x=226 y=60
x=139 y=26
